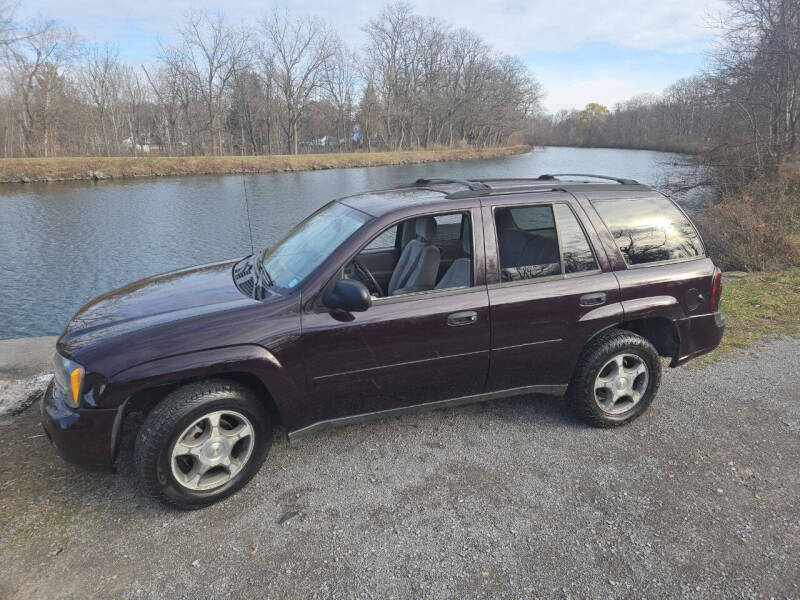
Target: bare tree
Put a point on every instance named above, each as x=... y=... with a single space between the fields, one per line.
x=299 y=48
x=340 y=76
x=35 y=67
x=208 y=57
x=99 y=79
x=219 y=89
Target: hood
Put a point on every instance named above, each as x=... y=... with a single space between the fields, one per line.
x=153 y=301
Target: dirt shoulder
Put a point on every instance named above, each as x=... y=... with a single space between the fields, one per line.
x=26 y=170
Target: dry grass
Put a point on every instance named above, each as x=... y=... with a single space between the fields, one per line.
x=16 y=170
x=757 y=226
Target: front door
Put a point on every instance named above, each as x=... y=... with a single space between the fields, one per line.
x=404 y=350
x=397 y=353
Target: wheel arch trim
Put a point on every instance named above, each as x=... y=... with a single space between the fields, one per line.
x=250 y=359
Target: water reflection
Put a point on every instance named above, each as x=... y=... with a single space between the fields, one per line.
x=61 y=244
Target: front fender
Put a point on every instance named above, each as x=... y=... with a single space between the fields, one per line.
x=281 y=382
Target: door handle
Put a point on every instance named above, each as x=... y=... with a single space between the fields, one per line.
x=593 y=299
x=467 y=317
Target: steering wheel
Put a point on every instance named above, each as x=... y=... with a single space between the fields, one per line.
x=367 y=277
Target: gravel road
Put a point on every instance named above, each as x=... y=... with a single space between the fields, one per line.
x=699 y=498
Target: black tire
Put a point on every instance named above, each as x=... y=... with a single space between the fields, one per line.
x=581 y=394
x=162 y=426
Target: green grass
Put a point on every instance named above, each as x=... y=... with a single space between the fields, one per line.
x=760 y=306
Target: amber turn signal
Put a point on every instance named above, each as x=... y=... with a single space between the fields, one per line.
x=76 y=379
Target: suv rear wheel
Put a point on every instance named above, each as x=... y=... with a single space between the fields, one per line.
x=202 y=443
x=615 y=380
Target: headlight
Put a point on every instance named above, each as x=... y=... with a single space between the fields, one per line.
x=69 y=379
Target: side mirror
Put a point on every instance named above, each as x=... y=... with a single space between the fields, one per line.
x=348 y=295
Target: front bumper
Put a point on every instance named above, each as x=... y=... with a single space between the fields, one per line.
x=698 y=335
x=83 y=436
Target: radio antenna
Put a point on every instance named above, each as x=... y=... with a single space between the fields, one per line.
x=247 y=207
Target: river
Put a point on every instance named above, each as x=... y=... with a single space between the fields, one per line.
x=63 y=243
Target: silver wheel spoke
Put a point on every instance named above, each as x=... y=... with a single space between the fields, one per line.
x=213 y=421
x=237 y=433
x=183 y=448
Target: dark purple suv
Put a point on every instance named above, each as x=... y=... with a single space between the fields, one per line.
x=429 y=295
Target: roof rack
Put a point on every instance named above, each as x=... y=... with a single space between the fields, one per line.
x=471 y=185
x=619 y=180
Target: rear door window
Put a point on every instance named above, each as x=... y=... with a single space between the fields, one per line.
x=541 y=240
x=648 y=230
x=576 y=253
x=527 y=242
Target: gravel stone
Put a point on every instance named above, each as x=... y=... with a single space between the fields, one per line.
x=508 y=499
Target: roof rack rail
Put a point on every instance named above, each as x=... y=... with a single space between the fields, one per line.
x=471 y=185
x=619 y=180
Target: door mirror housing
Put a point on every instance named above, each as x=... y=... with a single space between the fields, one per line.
x=348 y=295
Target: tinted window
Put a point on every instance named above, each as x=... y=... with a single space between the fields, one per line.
x=527 y=242
x=448 y=228
x=649 y=229
x=575 y=250
x=532 y=217
x=385 y=240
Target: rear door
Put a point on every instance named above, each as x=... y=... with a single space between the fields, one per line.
x=550 y=289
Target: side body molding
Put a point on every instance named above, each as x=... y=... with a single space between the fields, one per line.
x=666 y=307
x=606 y=311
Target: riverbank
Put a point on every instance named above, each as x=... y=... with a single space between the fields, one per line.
x=29 y=170
x=687 y=147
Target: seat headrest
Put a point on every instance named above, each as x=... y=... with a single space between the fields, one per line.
x=505 y=221
x=425 y=228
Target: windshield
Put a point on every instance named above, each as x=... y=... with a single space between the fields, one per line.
x=304 y=248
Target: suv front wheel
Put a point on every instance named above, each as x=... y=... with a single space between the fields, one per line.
x=202 y=443
x=615 y=380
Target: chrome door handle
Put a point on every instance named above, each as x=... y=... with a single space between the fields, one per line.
x=593 y=299
x=467 y=317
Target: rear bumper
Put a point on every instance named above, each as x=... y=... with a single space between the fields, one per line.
x=81 y=436
x=698 y=335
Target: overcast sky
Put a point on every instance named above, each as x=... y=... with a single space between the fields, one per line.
x=582 y=51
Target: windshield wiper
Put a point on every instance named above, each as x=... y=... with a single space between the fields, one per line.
x=261 y=272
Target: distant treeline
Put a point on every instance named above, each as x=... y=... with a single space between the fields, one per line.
x=740 y=118
x=742 y=111
x=287 y=84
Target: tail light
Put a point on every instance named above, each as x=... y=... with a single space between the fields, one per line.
x=716 y=290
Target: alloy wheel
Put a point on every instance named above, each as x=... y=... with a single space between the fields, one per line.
x=212 y=450
x=621 y=383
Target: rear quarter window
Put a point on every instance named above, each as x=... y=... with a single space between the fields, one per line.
x=648 y=230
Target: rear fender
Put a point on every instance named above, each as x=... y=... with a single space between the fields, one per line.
x=665 y=307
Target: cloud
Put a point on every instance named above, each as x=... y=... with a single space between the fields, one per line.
x=512 y=26
x=523 y=27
